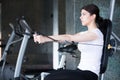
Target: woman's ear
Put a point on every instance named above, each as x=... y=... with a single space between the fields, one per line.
x=94 y=16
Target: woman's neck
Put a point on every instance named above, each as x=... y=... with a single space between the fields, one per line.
x=92 y=26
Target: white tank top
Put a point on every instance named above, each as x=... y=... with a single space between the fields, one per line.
x=91 y=53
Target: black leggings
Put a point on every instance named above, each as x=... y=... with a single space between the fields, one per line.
x=71 y=75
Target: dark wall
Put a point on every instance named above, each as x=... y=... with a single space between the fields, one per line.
x=38 y=14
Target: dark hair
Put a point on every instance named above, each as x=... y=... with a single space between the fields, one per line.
x=93 y=9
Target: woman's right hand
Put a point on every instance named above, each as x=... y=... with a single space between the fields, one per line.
x=38 y=38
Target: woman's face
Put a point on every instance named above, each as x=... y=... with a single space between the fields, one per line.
x=86 y=18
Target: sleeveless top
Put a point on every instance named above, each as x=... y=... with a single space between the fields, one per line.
x=91 y=52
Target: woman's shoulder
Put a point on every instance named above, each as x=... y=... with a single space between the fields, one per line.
x=98 y=32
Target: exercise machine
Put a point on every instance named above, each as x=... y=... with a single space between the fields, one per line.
x=7 y=70
x=15 y=72
x=10 y=72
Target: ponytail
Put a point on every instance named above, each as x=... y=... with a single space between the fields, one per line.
x=99 y=19
x=103 y=24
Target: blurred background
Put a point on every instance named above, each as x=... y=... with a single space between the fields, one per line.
x=53 y=17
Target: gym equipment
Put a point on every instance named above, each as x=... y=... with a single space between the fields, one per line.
x=6 y=70
x=16 y=71
x=107 y=50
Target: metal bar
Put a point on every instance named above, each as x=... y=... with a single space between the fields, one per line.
x=112 y=5
x=55 y=31
x=115 y=36
x=21 y=55
x=8 y=45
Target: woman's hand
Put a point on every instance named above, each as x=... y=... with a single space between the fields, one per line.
x=38 y=38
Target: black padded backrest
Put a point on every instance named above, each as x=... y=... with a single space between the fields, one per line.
x=106 y=29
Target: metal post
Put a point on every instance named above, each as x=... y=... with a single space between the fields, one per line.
x=111 y=18
x=20 y=56
x=55 y=31
x=112 y=5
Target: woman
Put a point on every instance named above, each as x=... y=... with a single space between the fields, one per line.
x=90 y=43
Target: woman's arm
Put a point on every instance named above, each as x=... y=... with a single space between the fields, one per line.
x=79 y=37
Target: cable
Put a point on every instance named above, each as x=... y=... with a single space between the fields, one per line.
x=24 y=24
